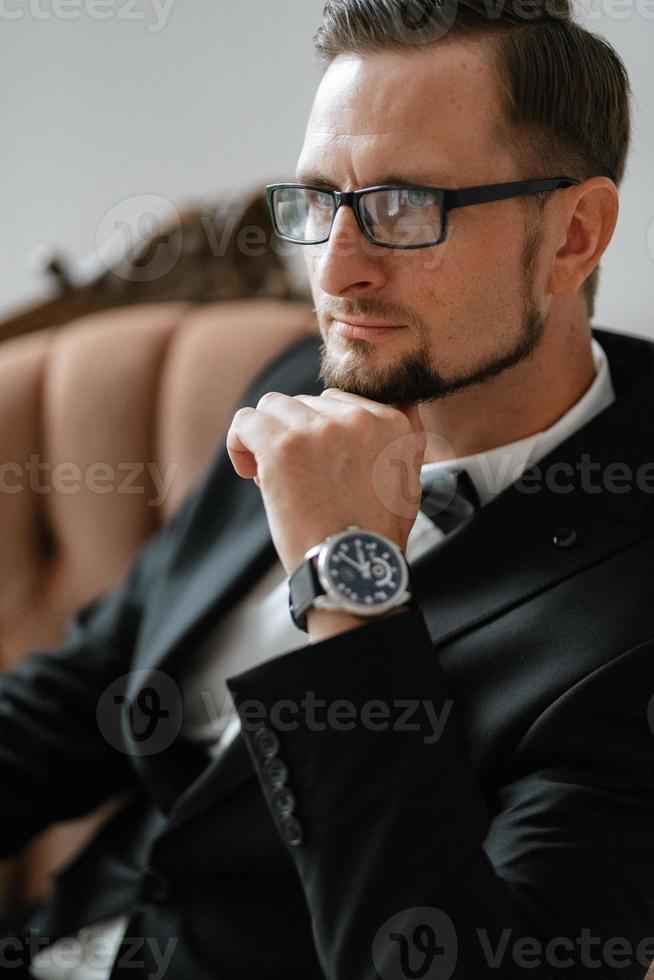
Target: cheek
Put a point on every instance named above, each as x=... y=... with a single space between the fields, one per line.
x=472 y=305
x=486 y=257
x=486 y=243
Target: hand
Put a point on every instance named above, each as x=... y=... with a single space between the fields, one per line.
x=323 y=462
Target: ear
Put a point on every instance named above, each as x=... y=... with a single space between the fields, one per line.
x=586 y=218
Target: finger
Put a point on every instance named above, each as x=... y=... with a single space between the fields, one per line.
x=358 y=401
x=249 y=435
x=288 y=409
x=325 y=406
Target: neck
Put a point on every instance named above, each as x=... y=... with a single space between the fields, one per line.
x=521 y=401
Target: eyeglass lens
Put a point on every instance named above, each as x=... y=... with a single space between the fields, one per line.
x=397 y=216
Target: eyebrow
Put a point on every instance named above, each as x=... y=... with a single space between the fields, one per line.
x=321 y=181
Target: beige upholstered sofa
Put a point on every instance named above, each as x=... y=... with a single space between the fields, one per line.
x=108 y=419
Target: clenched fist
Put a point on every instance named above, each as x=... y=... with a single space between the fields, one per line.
x=323 y=462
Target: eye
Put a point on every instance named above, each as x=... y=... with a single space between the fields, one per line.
x=319 y=200
x=418 y=199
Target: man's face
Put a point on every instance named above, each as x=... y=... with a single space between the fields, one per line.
x=468 y=307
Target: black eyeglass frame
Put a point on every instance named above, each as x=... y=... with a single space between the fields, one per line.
x=448 y=199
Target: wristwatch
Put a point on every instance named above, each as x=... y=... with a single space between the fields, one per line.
x=356 y=570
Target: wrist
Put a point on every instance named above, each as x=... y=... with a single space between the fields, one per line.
x=324 y=623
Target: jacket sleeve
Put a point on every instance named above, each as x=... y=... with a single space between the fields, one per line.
x=409 y=869
x=55 y=763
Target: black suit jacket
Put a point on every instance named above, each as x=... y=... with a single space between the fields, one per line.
x=528 y=821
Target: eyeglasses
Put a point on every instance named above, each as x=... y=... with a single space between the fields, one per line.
x=389 y=215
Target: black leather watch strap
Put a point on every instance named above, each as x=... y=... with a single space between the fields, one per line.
x=303 y=587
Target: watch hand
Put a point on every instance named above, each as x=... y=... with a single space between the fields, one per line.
x=365 y=565
x=351 y=561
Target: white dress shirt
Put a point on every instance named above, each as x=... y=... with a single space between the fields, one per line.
x=260 y=627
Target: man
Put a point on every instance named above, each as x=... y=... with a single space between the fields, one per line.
x=440 y=769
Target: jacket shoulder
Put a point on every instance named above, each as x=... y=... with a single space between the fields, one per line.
x=294 y=370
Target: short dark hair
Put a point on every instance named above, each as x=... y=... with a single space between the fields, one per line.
x=566 y=92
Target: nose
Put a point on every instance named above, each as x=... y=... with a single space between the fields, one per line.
x=348 y=262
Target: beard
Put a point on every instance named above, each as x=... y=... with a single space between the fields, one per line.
x=413 y=379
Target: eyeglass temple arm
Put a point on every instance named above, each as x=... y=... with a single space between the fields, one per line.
x=501 y=192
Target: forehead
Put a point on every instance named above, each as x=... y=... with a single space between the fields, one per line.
x=425 y=112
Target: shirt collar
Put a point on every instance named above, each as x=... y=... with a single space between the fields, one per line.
x=496 y=469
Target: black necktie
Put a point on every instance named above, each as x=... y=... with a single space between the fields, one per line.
x=449 y=497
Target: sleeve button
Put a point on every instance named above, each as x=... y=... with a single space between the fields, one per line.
x=275 y=772
x=283 y=801
x=266 y=743
x=292 y=830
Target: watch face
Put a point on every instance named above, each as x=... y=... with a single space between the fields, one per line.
x=362 y=570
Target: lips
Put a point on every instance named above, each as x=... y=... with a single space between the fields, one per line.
x=364 y=323
x=351 y=331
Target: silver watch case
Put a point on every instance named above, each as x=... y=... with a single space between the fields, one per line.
x=335 y=600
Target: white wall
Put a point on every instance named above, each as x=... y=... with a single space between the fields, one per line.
x=626 y=296
x=97 y=112
x=183 y=98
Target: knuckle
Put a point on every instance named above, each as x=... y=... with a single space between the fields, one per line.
x=240 y=412
x=397 y=419
x=360 y=417
x=269 y=396
x=330 y=429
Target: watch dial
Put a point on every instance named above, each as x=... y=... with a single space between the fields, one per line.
x=363 y=569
